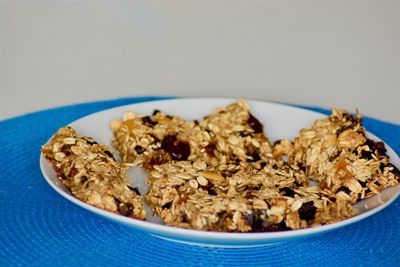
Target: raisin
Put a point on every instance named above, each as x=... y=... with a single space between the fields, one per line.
x=307 y=211
x=139 y=149
x=301 y=166
x=108 y=153
x=377 y=147
x=277 y=142
x=211 y=191
x=167 y=205
x=210 y=149
x=168 y=142
x=155 y=112
x=178 y=150
x=344 y=189
x=253 y=155
x=84 y=179
x=370 y=144
x=66 y=149
x=244 y=133
x=91 y=142
x=181 y=151
x=256 y=223
x=254 y=124
x=263 y=164
x=277 y=227
x=366 y=154
x=363 y=184
x=185 y=218
x=382 y=166
x=288 y=192
x=134 y=189
x=257 y=187
x=196 y=122
x=380 y=148
x=395 y=170
x=148 y=121
x=125 y=209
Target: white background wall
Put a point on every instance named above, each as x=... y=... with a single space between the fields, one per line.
x=342 y=53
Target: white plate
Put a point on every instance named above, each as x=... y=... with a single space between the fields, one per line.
x=280 y=121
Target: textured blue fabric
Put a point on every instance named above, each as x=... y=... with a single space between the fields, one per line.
x=40 y=228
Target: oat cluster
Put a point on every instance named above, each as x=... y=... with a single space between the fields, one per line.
x=90 y=171
x=221 y=173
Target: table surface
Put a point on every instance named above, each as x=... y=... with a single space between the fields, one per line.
x=319 y=53
x=38 y=227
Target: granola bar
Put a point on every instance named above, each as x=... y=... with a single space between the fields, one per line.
x=336 y=153
x=230 y=135
x=240 y=198
x=90 y=171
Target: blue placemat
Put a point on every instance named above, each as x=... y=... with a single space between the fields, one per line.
x=40 y=228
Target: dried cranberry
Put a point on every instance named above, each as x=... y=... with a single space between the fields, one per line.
x=307 y=211
x=254 y=124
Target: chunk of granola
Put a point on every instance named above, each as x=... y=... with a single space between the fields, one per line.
x=240 y=197
x=336 y=153
x=230 y=135
x=90 y=171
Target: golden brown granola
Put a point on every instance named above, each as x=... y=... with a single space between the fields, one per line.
x=336 y=153
x=230 y=135
x=220 y=173
x=240 y=197
x=90 y=171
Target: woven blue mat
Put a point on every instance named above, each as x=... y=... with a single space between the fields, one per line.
x=38 y=227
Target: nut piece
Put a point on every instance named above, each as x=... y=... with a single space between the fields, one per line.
x=201 y=180
x=213 y=176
